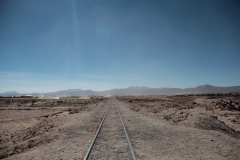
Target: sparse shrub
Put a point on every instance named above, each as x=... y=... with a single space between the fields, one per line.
x=34 y=101
x=25 y=101
x=156 y=110
x=74 y=111
x=8 y=102
x=167 y=117
x=177 y=120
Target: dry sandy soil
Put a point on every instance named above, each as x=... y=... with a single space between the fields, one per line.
x=159 y=127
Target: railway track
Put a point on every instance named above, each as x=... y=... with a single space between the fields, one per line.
x=111 y=140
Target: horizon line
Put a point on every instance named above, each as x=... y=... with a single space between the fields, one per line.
x=118 y=88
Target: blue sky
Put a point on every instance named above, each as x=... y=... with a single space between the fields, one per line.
x=62 y=44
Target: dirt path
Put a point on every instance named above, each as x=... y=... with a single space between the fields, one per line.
x=153 y=138
x=111 y=142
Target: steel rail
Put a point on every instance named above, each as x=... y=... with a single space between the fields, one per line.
x=129 y=143
x=95 y=137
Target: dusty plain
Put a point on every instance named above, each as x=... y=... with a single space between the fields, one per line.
x=159 y=127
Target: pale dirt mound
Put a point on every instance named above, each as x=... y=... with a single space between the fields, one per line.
x=207 y=122
x=26 y=139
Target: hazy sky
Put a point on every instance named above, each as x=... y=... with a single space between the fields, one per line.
x=50 y=45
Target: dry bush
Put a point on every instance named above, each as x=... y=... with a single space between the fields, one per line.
x=177 y=120
x=59 y=101
x=167 y=117
x=74 y=111
x=8 y=102
x=34 y=101
x=25 y=101
x=156 y=110
x=185 y=107
x=135 y=108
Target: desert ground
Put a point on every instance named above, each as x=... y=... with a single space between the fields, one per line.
x=159 y=127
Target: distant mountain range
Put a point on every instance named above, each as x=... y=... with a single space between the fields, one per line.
x=134 y=91
x=11 y=93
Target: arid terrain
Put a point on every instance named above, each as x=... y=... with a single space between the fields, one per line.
x=159 y=127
